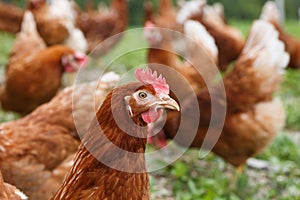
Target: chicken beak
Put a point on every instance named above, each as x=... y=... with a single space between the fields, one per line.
x=167 y=102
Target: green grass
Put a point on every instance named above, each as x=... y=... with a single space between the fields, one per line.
x=6 y=41
x=290 y=94
x=191 y=178
x=293 y=28
x=212 y=178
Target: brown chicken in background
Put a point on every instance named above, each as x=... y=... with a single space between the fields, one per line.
x=219 y=9
x=166 y=15
x=199 y=68
x=229 y=40
x=199 y=48
x=35 y=150
x=49 y=27
x=98 y=26
x=102 y=171
x=148 y=12
x=9 y=192
x=271 y=14
x=10 y=18
x=253 y=116
x=34 y=72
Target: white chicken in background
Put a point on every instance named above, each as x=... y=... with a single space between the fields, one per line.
x=56 y=23
x=64 y=9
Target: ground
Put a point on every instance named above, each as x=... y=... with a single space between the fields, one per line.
x=189 y=177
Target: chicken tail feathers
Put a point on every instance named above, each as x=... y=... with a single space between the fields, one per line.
x=265 y=48
x=189 y=9
x=270 y=12
x=28 y=23
x=196 y=31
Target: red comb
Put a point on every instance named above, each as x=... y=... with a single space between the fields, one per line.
x=159 y=83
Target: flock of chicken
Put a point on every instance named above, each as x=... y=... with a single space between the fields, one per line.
x=38 y=150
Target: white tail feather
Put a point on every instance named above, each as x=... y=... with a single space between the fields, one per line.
x=265 y=48
x=270 y=12
x=62 y=9
x=28 y=23
x=189 y=9
x=271 y=114
x=110 y=78
x=212 y=16
x=76 y=39
x=21 y=195
x=196 y=31
x=219 y=9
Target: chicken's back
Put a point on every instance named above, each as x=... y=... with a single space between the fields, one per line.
x=28 y=41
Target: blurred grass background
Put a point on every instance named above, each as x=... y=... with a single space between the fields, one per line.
x=190 y=178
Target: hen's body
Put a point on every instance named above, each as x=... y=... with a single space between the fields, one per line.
x=33 y=147
x=253 y=117
x=32 y=82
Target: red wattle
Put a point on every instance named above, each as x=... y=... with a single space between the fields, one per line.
x=152 y=115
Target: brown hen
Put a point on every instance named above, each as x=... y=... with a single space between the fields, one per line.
x=253 y=117
x=110 y=163
x=34 y=149
x=34 y=72
x=98 y=26
x=229 y=40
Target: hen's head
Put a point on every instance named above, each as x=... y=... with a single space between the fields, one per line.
x=148 y=100
x=73 y=60
x=36 y=4
x=152 y=34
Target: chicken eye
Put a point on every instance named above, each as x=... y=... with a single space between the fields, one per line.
x=143 y=95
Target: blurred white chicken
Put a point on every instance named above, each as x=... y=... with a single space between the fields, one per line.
x=56 y=23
